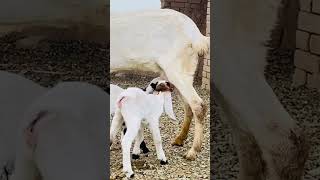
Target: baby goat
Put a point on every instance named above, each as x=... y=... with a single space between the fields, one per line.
x=115 y=91
x=134 y=106
x=62 y=135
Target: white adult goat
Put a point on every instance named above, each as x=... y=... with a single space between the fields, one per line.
x=269 y=144
x=64 y=135
x=167 y=42
x=17 y=93
x=134 y=106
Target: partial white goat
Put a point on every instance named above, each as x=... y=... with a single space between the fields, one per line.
x=16 y=93
x=269 y=144
x=115 y=91
x=64 y=135
x=167 y=42
x=134 y=106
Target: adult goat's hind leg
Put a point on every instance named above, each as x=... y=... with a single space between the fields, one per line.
x=188 y=115
x=184 y=83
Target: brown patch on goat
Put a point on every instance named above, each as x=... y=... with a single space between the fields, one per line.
x=188 y=115
x=289 y=158
x=200 y=111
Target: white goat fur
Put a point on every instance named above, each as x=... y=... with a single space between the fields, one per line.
x=260 y=125
x=115 y=91
x=17 y=93
x=137 y=106
x=167 y=42
x=69 y=135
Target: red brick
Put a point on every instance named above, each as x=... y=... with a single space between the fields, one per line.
x=306 y=61
x=195 y=6
x=314 y=81
x=315 y=44
x=305 y=5
x=302 y=40
x=181 y=1
x=316 y=6
x=299 y=77
x=177 y=4
x=309 y=22
x=195 y=1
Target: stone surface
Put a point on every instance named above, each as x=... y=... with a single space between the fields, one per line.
x=309 y=22
x=316 y=6
x=299 y=77
x=302 y=40
x=305 y=5
x=314 y=81
x=315 y=44
x=306 y=61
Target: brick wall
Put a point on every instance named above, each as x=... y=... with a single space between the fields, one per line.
x=197 y=11
x=206 y=60
x=307 y=54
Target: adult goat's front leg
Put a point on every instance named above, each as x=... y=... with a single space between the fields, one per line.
x=184 y=83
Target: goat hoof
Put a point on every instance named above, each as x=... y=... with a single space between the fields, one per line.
x=163 y=162
x=129 y=174
x=144 y=147
x=135 y=156
x=190 y=155
x=145 y=150
x=177 y=142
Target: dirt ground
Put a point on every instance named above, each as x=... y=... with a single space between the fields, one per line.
x=147 y=166
x=54 y=61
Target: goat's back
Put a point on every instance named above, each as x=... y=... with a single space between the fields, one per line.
x=16 y=93
x=140 y=40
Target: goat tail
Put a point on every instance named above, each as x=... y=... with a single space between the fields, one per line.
x=124 y=96
x=202 y=45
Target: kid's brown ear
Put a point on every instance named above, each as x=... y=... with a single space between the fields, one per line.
x=170 y=85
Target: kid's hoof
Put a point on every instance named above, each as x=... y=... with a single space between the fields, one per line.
x=163 y=162
x=135 y=156
x=144 y=148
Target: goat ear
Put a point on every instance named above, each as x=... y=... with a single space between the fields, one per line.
x=168 y=109
x=154 y=85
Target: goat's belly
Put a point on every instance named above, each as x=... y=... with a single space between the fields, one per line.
x=134 y=65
